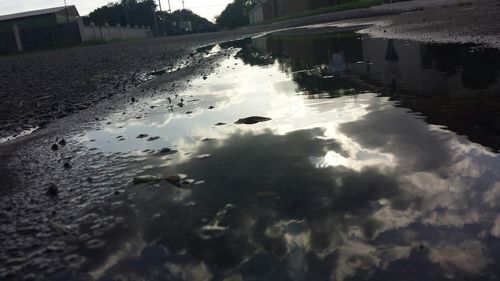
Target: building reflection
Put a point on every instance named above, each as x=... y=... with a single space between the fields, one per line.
x=452 y=85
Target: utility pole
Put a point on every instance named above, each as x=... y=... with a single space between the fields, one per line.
x=169 y=7
x=66 y=10
x=183 y=5
x=125 y=9
x=159 y=3
x=155 y=23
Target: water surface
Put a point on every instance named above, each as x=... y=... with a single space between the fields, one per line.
x=379 y=163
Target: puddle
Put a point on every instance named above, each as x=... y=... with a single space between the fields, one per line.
x=375 y=160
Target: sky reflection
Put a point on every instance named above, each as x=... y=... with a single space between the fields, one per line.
x=335 y=187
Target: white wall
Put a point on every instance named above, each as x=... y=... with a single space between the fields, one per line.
x=108 y=33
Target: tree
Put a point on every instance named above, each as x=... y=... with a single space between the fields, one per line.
x=236 y=14
x=170 y=20
x=144 y=13
x=131 y=12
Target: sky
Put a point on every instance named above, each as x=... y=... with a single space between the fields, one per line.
x=205 y=8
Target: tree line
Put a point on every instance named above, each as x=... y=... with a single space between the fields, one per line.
x=146 y=13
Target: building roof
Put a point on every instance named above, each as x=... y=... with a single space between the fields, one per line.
x=35 y=13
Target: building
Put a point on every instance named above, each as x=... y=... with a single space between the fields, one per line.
x=39 y=29
x=57 y=27
x=40 y=18
x=271 y=9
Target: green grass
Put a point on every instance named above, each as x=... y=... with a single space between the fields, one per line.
x=355 y=4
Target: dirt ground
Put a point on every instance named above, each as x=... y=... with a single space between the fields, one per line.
x=476 y=22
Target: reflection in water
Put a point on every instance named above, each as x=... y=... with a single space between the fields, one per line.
x=451 y=85
x=341 y=184
x=392 y=72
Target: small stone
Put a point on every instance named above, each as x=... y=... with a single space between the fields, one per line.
x=95 y=244
x=52 y=190
x=62 y=142
x=153 y=138
x=165 y=150
x=211 y=107
x=55 y=147
x=252 y=120
x=220 y=124
x=141 y=136
x=67 y=165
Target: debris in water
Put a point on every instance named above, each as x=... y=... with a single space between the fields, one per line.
x=211 y=107
x=214 y=229
x=188 y=181
x=141 y=136
x=203 y=156
x=173 y=179
x=220 y=124
x=252 y=120
x=208 y=232
x=146 y=179
x=153 y=138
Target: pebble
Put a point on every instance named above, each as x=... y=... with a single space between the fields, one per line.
x=165 y=150
x=52 y=190
x=95 y=244
x=252 y=120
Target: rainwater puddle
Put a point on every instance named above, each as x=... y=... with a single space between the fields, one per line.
x=375 y=160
